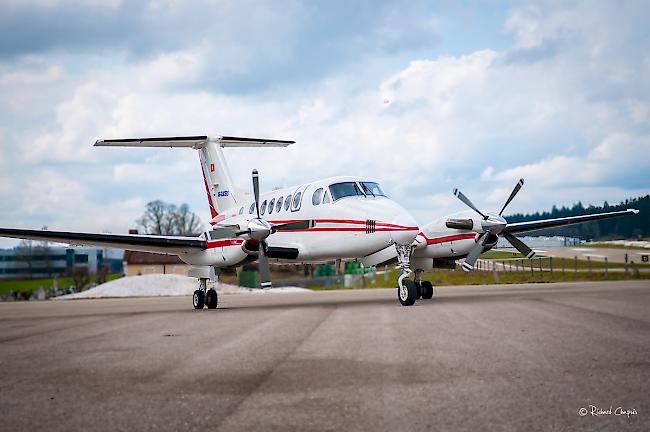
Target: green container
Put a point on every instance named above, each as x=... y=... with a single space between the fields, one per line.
x=248 y=278
x=324 y=270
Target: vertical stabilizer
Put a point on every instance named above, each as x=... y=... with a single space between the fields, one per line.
x=218 y=182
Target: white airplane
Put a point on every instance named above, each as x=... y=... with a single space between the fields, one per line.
x=335 y=218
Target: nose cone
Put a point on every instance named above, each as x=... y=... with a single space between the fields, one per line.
x=259 y=229
x=494 y=223
x=405 y=228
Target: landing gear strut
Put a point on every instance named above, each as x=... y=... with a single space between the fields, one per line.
x=407 y=292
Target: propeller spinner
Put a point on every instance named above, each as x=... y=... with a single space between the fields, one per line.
x=493 y=225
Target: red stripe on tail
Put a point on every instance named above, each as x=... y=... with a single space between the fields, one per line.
x=213 y=211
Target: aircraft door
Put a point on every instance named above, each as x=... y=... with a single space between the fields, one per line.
x=297 y=198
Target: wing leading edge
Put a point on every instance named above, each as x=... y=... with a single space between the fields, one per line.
x=519 y=227
x=172 y=245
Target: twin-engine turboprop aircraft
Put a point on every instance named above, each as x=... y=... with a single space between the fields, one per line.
x=335 y=218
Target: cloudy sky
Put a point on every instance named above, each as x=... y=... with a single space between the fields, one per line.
x=422 y=96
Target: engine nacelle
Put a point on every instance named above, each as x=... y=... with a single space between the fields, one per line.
x=221 y=253
x=433 y=263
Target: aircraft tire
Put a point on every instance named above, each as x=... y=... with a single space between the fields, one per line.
x=211 y=299
x=407 y=293
x=427 y=290
x=198 y=299
x=418 y=288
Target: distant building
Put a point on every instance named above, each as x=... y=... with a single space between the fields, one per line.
x=41 y=262
x=140 y=263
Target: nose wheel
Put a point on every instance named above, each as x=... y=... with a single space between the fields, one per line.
x=407 y=292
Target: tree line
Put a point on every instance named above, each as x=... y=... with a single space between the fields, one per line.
x=162 y=218
x=627 y=227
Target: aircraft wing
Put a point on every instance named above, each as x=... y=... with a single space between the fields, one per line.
x=519 y=227
x=172 y=245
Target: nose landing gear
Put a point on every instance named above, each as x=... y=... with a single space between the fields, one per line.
x=407 y=290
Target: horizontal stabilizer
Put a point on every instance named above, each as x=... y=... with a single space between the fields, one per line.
x=196 y=142
x=228 y=141
x=187 y=141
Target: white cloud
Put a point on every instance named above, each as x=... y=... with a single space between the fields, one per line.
x=31 y=77
x=616 y=155
x=111 y=4
x=565 y=107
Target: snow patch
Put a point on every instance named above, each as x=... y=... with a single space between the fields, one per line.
x=162 y=285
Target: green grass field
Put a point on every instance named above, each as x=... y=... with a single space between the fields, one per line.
x=497 y=254
x=476 y=277
x=609 y=246
x=6 y=286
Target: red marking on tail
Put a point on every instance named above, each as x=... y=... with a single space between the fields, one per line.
x=213 y=212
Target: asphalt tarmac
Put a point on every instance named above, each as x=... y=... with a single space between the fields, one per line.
x=515 y=357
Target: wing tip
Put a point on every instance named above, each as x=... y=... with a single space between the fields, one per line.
x=633 y=211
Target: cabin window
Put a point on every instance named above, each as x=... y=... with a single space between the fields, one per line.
x=372 y=188
x=318 y=195
x=296 y=199
x=345 y=189
x=263 y=207
x=326 y=198
x=252 y=209
x=241 y=211
x=271 y=205
x=287 y=203
x=278 y=206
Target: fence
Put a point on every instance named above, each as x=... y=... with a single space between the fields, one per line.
x=553 y=265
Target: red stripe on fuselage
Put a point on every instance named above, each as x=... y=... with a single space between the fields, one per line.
x=222 y=243
x=349 y=221
x=346 y=229
x=448 y=238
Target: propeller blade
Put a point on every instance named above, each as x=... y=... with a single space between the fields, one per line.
x=265 y=270
x=256 y=191
x=292 y=226
x=474 y=253
x=519 y=245
x=518 y=186
x=466 y=200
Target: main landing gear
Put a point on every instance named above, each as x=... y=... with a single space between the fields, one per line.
x=407 y=290
x=204 y=296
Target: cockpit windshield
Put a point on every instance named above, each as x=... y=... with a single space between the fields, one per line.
x=371 y=188
x=345 y=189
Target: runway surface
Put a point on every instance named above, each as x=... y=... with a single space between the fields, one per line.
x=505 y=357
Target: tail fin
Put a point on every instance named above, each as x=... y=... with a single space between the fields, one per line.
x=218 y=182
